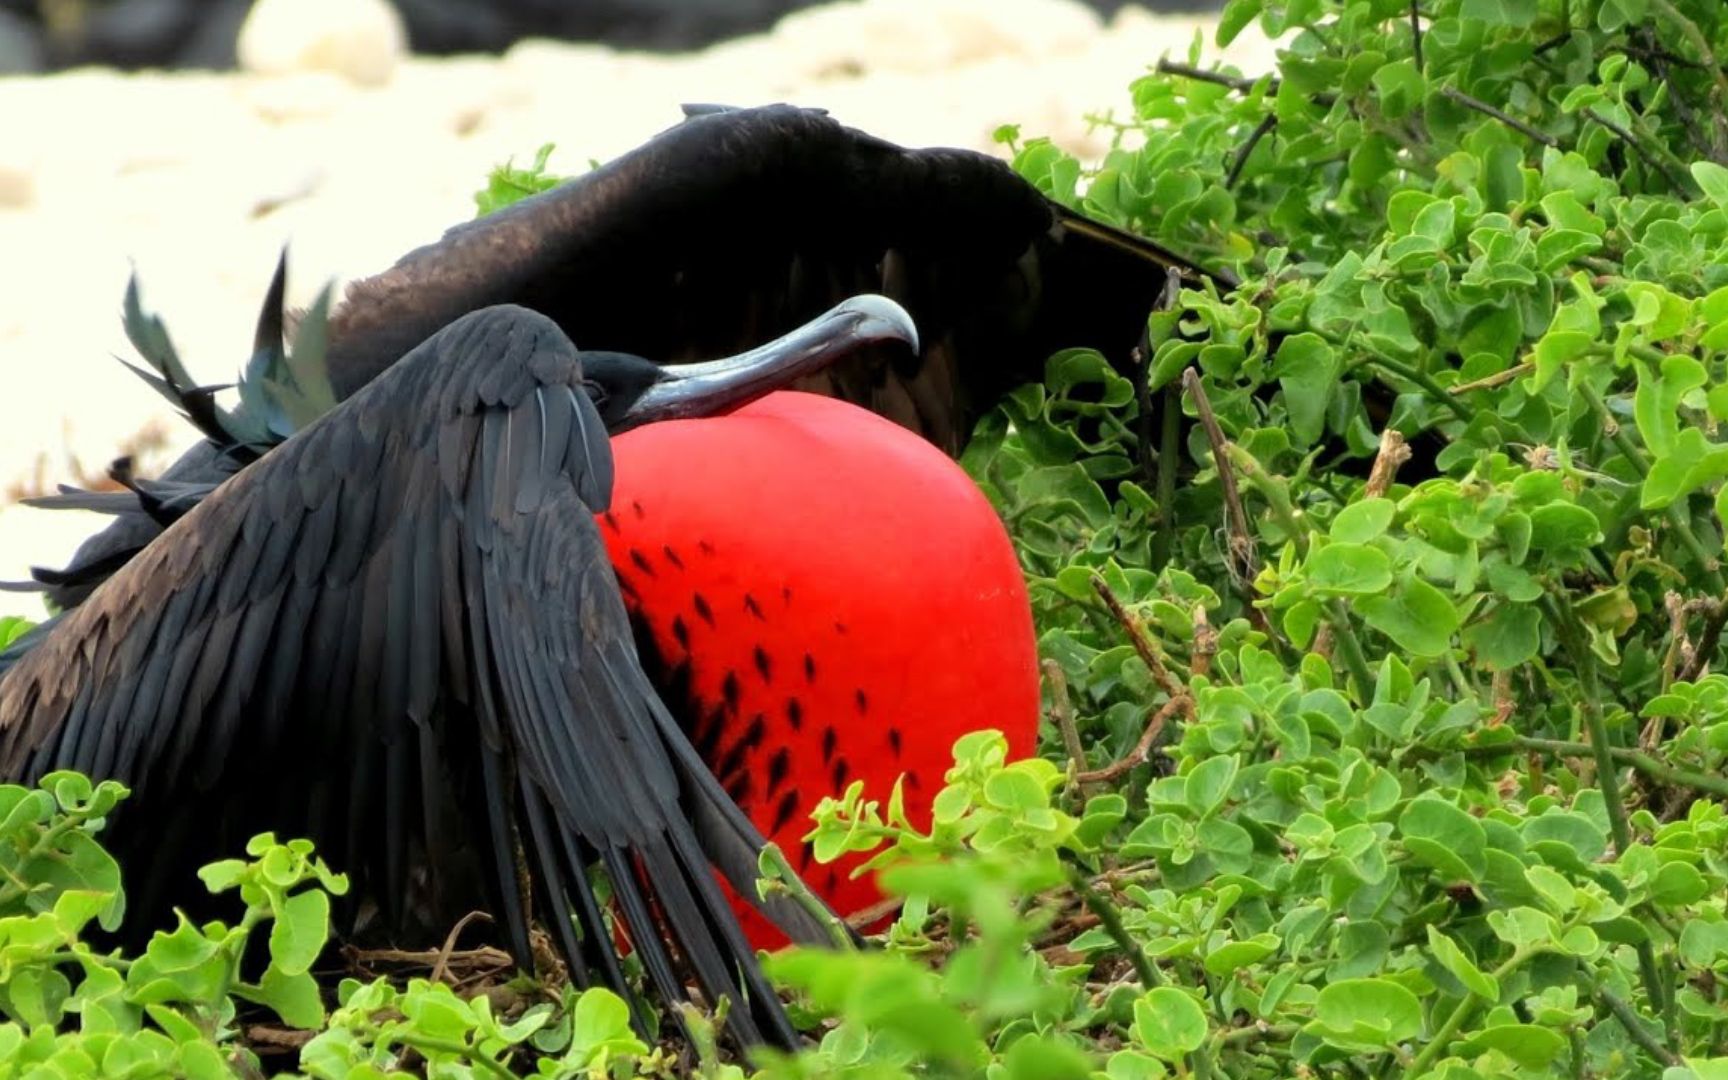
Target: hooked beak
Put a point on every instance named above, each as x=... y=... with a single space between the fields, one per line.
x=684 y=391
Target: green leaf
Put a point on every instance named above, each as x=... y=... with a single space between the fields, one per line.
x=1363 y=521
x=1562 y=530
x=1694 y=462
x=1399 y=86
x=1208 y=785
x=1527 y=1044
x=1232 y=956
x=1525 y=928
x=295 y=997
x=1349 y=569
x=13 y=627
x=301 y=929
x=1452 y=958
x=1235 y=17
x=1418 y=617
x=1509 y=636
x=1366 y=1014
x=1307 y=366
x=1444 y=837
x=1169 y=1023
x=1554 y=351
x=1513 y=13
x=1657 y=401
x=1677 y=885
x=1713 y=181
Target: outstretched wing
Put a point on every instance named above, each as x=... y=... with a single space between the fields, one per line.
x=398 y=633
x=739 y=224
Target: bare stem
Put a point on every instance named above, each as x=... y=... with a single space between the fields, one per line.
x=1062 y=712
x=1142 y=749
x=1505 y=118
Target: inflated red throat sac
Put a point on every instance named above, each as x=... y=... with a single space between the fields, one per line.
x=830 y=599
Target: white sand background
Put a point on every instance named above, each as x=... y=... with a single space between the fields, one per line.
x=198 y=180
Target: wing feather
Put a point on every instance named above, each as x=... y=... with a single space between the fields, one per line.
x=404 y=607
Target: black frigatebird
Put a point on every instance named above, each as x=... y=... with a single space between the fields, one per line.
x=728 y=228
x=398 y=633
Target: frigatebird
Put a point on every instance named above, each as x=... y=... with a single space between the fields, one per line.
x=730 y=227
x=397 y=633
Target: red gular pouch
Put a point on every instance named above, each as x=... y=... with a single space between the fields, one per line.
x=822 y=597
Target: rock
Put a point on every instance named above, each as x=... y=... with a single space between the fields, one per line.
x=136 y=33
x=214 y=42
x=362 y=40
x=21 y=50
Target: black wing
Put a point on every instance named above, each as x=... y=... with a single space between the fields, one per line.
x=739 y=224
x=398 y=633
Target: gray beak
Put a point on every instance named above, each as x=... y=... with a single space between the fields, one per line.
x=684 y=391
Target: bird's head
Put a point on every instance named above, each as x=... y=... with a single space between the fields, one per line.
x=630 y=391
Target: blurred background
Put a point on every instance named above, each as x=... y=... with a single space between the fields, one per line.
x=190 y=140
x=48 y=35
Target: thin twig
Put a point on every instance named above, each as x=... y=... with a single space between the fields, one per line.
x=1660 y=59
x=1690 y=31
x=1144 y=646
x=1648 y=157
x=1217 y=78
x=1715 y=614
x=1572 y=641
x=1260 y=131
x=1240 y=85
x=1169 y=447
x=1062 y=712
x=485 y=954
x=443 y=964
x=1499 y=378
x=1651 y=766
x=1505 y=118
x=785 y=880
x=1142 y=749
x=1415 y=35
x=868 y=917
x=1677 y=656
x=1140 y=367
x=1634 y=1025
x=1112 y=923
x=278 y=1038
x=1245 y=559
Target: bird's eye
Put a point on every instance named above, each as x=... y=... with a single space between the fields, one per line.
x=596 y=393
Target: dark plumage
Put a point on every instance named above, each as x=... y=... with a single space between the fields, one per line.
x=738 y=224
x=399 y=633
x=734 y=226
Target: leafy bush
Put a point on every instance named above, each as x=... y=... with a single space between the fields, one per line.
x=75 y=1011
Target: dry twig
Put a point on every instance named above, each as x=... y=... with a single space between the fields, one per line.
x=1062 y=712
x=1489 y=382
x=442 y=966
x=1142 y=749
